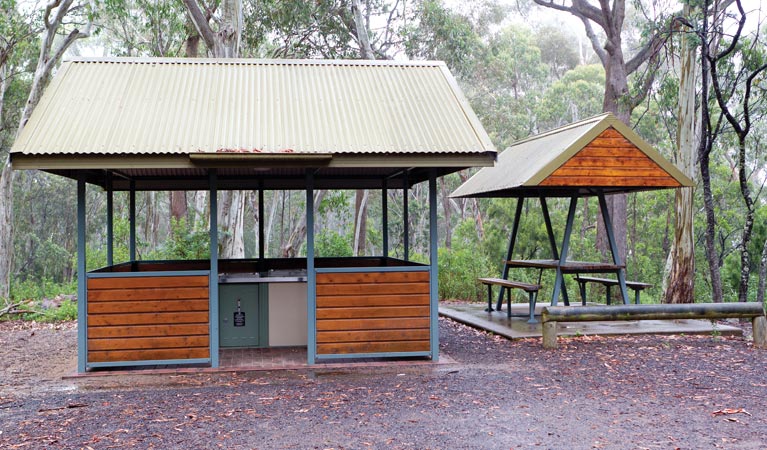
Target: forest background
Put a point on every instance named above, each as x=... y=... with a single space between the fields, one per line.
x=689 y=78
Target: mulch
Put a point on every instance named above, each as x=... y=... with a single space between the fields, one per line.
x=593 y=392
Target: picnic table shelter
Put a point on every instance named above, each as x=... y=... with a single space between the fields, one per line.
x=598 y=156
x=149 y=124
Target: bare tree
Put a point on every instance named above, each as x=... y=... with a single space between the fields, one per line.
x=223 y=41
x=58 y=17
x=618 y=99
x=737 y=112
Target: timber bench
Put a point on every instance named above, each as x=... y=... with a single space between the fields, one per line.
x=753 y=310
x=608 y=283
x=531 y=289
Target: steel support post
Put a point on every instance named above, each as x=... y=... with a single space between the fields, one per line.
x=132 y=222
x=110 y=222
x=433 y=271
x=560 y=280
x=213 y=305
x=261 y=243
x=510 y=252
x=385 y=218
x=552 y=244
x=406 y=219
x=311 y=275
x=82 y=299
x=613 y=246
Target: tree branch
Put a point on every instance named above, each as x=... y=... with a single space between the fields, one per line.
x=201 y=23
x=595 y=44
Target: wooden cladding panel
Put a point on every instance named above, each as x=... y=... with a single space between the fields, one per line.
x=373 y=312
x=610 y=160
x=148 y=318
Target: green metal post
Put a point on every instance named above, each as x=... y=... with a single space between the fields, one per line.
x=406 y=219
x=213 y=305
x=132 y=222
x=559 y=282
x=82 y=299
x=311 y=276
x=385 y=218
x=110 y=221
x=553 y=242
x=613 y=246
x=261 y=221
x=433 y=272
x=510 y=252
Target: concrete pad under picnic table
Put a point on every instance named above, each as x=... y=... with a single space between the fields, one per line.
x=474 y=315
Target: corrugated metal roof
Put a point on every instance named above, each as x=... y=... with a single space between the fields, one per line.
x=524 y=165
x=146 y=106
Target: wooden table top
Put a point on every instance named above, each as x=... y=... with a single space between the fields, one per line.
x=567 y=267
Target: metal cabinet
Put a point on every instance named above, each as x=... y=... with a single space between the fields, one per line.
x=243 y=315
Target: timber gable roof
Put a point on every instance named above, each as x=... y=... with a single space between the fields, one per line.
x=597 y=154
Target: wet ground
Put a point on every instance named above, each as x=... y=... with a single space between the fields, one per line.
x=593 y=392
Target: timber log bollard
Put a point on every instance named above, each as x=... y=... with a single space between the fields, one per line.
x=754 y=310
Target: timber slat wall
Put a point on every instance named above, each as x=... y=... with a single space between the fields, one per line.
x=372 y=312
x=610 y=160
x=148 y=318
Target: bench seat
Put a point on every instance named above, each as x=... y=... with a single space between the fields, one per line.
x=531 y=289
x=608 y=283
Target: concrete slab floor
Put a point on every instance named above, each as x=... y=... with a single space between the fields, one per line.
x=474 y=315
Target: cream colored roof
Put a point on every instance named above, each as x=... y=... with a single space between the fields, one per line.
x=99 y=107
x=523 y=166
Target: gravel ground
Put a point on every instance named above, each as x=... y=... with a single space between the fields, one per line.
x=619 y=392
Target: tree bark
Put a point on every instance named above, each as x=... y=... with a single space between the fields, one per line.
x=178 y=205
x=448 y=213
x=361 y=196
x=705 y=144
x=762 y=286
x=609 y=16
x=53 y=16
x=680 y=287
x=6 y=235
x=224 y=42
x=360 y=222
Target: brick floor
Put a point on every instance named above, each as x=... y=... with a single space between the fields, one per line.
x=262 y=358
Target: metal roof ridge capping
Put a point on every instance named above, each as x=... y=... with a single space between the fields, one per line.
x=178 y=107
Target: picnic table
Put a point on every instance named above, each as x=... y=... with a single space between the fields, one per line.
x=569 y=267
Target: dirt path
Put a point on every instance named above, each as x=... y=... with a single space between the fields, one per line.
x=633 y=392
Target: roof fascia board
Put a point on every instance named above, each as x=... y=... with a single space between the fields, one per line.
x=415 y=160
x=89 y=162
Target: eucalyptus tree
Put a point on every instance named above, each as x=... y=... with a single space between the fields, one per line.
x=737 y=65
x=619 y=99
x=679 y=283
x=63 y=23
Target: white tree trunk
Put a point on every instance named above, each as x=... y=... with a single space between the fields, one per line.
x=53 y=16
x=6 y=235
x=231 y=215
x=679 y=287
x=224 y=43
x=200 y=219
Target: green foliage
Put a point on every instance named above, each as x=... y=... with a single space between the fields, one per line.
x=577 y=95
x=39 y=289
x=460 y=266
x=332 y=244
x=184 y=243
